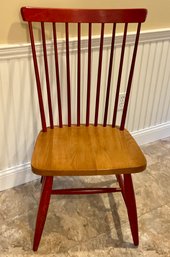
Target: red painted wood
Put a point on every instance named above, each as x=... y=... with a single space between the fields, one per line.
x=88 y=76
x=99 y=75
x=120 y=181
x=82 y=191
x=41 y=180
x=42 y=211
x=121 y=184
x=78 y=73
x=76 y=15
x=68 y=74
x=41 y=105
x=83 y=15
x=130 y=79
x=131 y=207
x=109 y=75
x=119 y=75
x=47 y=75
x=57 y=75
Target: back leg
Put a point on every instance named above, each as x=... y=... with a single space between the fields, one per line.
x=130 y=201
x=42 y=210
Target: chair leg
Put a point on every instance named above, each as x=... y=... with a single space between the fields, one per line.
x=131 y=207
x=121 y=184
x=41 y=179
x=42 y=210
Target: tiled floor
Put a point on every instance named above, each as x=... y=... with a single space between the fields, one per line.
x=95 y=225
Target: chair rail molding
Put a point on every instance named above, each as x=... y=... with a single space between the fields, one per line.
x=148 y=116
x=24 y=49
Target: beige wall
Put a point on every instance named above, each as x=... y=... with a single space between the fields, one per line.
x=12 y=30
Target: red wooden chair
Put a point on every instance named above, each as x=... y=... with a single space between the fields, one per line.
x=84 y=149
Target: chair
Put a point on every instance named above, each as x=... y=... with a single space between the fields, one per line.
x=83 y=148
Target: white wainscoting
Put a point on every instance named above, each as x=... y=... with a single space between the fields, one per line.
x=149 y=110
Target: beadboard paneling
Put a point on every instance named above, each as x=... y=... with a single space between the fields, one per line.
x=149 y=109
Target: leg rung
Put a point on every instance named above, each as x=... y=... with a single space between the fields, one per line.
x=74 y=191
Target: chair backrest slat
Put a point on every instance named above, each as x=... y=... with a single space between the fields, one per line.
x=78 y=72
x=109 y=75
x=47 y=75
x=99 y=75
x=41 y=105
x=57 y=75
x=88 y=76
x=103 y=86
x=119 y=76
x=68 y=74
x=130 y=78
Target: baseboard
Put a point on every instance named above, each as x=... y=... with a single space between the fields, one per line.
x=22 y=173
x=152 y=134
x=16 y=176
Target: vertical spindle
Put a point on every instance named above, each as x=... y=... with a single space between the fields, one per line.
x=57 y=75
x=47 y=75
x=109 y=75
x=41 y=105
x=68 y=74
x=99 y=75
x=88 y=76
x=130 y=78
x=78 y=73
x=119 y=75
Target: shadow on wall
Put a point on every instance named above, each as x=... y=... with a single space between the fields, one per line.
x=18 y=33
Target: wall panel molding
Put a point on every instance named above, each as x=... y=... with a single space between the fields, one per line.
x=24 y=50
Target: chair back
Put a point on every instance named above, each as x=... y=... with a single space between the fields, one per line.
x=89 y=17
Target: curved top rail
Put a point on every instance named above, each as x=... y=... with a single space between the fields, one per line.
x=83 y=15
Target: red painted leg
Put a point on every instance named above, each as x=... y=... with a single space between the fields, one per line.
x=41 y=179
x=131 y=207
x=42 y=211
x=121 y=184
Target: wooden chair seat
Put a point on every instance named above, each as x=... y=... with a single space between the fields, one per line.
x=86 y=151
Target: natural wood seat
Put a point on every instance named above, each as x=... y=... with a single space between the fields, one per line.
x=86 y=151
